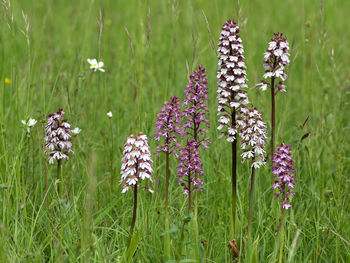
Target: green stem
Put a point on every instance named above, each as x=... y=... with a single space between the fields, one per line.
x=133 y=221
x=282 y=236
x=111 y=154
x=166 y=182
x=27 y=161
x=273 y=106
x=234 y=177
x=251 y=187
x=178 y=255
x=59 y=177
x=167 y=237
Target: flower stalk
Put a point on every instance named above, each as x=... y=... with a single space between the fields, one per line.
x=276 y=59
x=136 y=166
x=168 y=129
x=282 y=168
x=253 y=136
x=189 y=169
x=231 y=80
x=58 y=144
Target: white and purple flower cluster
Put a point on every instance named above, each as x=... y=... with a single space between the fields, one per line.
x=136 y=162
x=276 y=59
x=231 y=79
x=253 y=134
x=58 y=134
x=189 y=168
x=195 y=110
x=167 y=125
x=282 y=168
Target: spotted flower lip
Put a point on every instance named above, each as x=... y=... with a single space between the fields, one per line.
x=168 y=126
x=95 y=65
x=231 y=78
x=282 y=169
x=276 y=59
x=195 y=111
x=253 y=134
x=136 y=162
x=190 y=168
x=58 y=134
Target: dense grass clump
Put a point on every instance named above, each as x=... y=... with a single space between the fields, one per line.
x=148 y=50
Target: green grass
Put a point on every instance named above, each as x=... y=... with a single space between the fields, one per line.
x=168 y=38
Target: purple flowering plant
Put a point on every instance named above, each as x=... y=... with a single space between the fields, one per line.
x=136 y=166
x=231 y=95
x=168 y=130
x=195 y=110
x=253 y=136
x=58 y=144
x=189 y=169
x=276 y=59
x=282 y=168
x=168 y=127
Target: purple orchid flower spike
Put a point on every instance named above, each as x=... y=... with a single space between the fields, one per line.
x=231 y=95
x=282 y=168
x=58 y=142
x=168 y=129
x=253 y=134
x=168 y=126
x=189 y=169
x=276 y=60
x=58 y=134
x=136 y=162
x=136 y=166
x=195 y=110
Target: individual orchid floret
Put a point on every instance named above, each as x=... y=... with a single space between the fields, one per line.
x=109 y=114
x=195 y=110
x=253 y=134
x=282 y=168
x=190 y=168
x=76 y=130
x=276 y=59
x=30 y=123
x=136 y=162
x=58 y=135
x=168 y=126
x=95 y=65
x=231 y=79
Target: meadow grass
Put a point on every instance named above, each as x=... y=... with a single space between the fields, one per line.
x=149 y=49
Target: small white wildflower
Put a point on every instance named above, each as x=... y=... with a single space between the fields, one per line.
x=109 y=114
x=96 y=65
x=77 y=130
x=30 y=123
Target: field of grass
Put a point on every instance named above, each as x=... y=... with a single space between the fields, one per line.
x=149 y=49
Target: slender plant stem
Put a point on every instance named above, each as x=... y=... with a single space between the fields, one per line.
x=27 y=161
x=234 y=177
x=167 y=237
x=46 y=182
x=272 y=115
x=179 y=249
x=189 y=193
x=111 y=155
x=166 y=182
x=282 y=236
x=251 y=188
x=33 y=159
x=60 y=183
x=134 y=212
